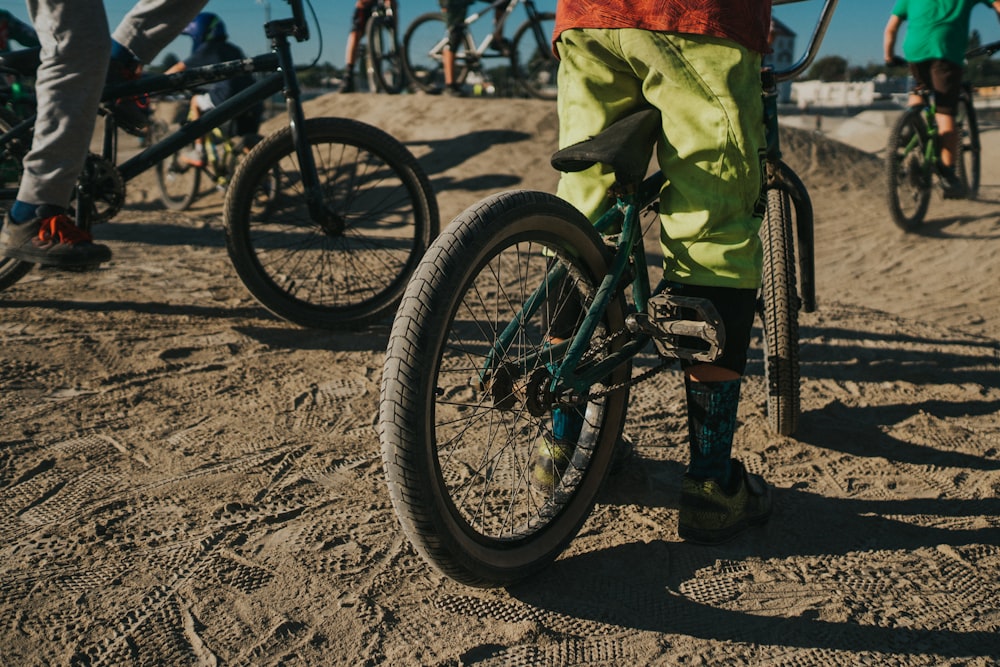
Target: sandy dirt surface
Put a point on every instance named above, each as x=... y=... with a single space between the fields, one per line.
x=186 y=480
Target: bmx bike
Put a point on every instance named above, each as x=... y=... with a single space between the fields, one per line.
x=325 y=219
x=913 y=152
x=528 y=56
x=474 y=371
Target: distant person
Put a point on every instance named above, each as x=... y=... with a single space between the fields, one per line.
x=210 y=45
x=455 y=12
x=362 y=11
x=12 y=28
x=936 y=40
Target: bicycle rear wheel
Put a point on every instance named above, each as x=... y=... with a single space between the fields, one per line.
x=463 y=399
x=177 y=180
x=535 y=66
x=423 y=45
x=779 y=310
x=968 y=146
x=385 y=56
x=350 y=268
x=908 y=174
x=11 y=270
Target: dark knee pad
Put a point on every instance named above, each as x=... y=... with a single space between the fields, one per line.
x=736 y=308
x=456 y=35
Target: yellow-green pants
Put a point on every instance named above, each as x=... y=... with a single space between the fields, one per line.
x=711 y=149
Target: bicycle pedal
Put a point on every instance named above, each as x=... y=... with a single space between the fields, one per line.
x=675 y=323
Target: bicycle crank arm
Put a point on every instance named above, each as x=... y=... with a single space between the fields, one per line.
x=674 y=334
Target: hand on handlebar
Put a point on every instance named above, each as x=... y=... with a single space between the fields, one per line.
x=896 y=61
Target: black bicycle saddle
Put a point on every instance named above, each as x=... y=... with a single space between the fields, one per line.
x=613 y=147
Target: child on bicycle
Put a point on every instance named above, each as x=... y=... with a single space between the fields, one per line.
x=362 y=12
x=210 y=45
x=78 y=56
x=455 y=12
x=698 y=62
x=935 y=46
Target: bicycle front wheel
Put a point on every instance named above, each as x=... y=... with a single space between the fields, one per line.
x=177 y=180
x=535 y=66
x=968 y=146
x=779 y=309
x=423 y=46
x=908 y=173
x=385 y=57
x=466 y=389
x=348 y=268
x=11 y=270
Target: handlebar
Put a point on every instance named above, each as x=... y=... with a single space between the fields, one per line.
x=814 y=40
x=984 y=50
x=301 y=32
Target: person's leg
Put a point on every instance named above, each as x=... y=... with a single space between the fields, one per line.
x=152 y=24
x=455 y=12
x=74 y=43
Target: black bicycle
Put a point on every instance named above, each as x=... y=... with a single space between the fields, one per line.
x=523 y=307
x=527 y=58
x=383 y=52
x=913 y=153
x=325 y=219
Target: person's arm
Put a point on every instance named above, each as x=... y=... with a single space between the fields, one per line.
x=179 y=66
x=996 y=8
x=889 y=40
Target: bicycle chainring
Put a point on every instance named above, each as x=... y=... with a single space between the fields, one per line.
x=106 y=187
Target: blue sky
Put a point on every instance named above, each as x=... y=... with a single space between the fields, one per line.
x=855 y=31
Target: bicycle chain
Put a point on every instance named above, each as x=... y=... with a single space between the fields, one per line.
x=641 y=377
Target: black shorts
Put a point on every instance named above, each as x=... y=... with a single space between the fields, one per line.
x=943 y=78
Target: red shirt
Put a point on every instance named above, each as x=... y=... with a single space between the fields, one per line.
x=745 y=22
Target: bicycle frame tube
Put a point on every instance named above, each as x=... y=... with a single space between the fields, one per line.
x=231 y=108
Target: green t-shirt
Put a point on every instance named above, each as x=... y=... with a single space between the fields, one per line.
x=936 y=29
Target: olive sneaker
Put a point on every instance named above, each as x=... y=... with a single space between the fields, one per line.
x=551 y=460
x=710 y=515
x=51 y=240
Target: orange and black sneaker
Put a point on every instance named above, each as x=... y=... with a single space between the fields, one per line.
x=51 y=240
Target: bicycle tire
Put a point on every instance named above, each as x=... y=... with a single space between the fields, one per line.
x=422 y=53
x=779 y=306
x=385 y=59
x=968 y=146
x=351 y=269
x=178 y=182
x=908 y=175
x=11 y=270
x=534 y=65
x=445 y=439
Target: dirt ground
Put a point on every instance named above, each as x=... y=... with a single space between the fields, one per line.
x=186 y=480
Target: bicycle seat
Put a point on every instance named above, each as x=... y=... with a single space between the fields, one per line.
x=615 y=146
x=23 y=61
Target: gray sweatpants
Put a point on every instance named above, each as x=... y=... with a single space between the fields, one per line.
x=76 y=48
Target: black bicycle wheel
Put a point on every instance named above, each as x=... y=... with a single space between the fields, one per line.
x=779 y=308
x=534 y=64
x=11 y=270
x=908 y=173
x=350 y=268
x=423 y=45
x=968 y=146
x=466 y=395
x=385 y=57
x=177 y=180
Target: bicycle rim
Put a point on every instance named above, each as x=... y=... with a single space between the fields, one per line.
x=908 y=175
x=779 y=310
x=466 y=368
x=535 y=66
x=177 y=180
x=384 y=55
x=350 y=267
x=423 y=45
